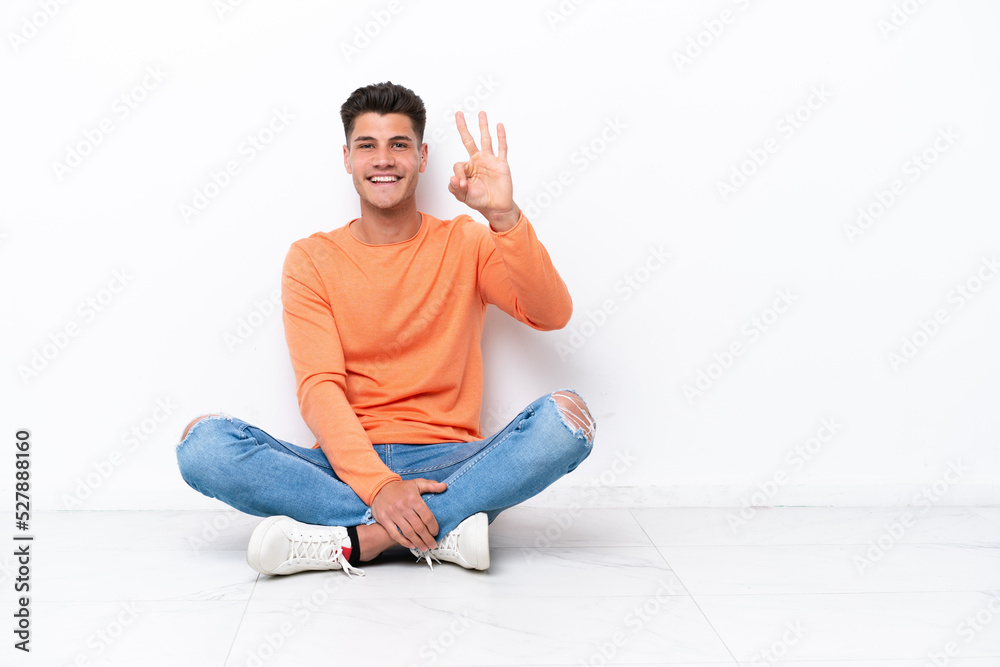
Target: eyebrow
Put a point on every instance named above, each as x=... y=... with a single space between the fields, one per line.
x=396 y=138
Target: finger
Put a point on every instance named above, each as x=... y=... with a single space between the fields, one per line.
x=419 y=533
x=502 y=140
x=406 y=531
x=461 y=173
x=396 y=533
x=456 y=188
x=463 y=129
x=484 y=130
x=425 y=485
x=429 y=521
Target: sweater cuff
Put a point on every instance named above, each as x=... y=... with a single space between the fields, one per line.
x=521 y=220
x=370 y=493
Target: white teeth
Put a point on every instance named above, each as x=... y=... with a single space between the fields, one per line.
x=383 y=179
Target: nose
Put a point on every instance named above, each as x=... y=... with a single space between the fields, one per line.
x=384 y=157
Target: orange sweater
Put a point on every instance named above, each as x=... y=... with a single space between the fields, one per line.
x=385 y=339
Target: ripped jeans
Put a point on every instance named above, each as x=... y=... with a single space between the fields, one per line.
x=244 y=467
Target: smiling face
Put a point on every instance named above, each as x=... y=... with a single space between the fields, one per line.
x=384 y=159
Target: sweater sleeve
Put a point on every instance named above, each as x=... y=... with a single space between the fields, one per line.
x=321 y=378
x=518 y=276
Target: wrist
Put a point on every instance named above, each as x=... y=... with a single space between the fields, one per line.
x=379 y=488
x=504 y=221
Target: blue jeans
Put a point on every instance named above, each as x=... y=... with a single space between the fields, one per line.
x=241 y=465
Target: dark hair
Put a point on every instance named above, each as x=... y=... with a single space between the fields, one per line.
x=384 y=98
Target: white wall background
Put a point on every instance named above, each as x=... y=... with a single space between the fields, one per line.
x=114 y=382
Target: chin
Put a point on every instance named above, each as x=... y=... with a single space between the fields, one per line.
x=385 y=206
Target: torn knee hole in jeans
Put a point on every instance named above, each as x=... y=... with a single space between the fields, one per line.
x=197 y=420
x=575 y=414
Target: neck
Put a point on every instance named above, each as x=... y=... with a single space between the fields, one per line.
x=382 y=227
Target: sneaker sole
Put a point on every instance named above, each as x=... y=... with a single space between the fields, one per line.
x=482 y=525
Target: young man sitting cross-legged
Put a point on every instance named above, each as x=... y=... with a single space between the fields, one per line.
x=383 y=319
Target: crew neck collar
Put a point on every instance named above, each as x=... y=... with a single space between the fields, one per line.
x=420 y=231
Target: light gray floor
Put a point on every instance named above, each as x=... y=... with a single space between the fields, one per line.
x=790 y=586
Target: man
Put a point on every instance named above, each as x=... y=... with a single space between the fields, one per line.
x=383 y=319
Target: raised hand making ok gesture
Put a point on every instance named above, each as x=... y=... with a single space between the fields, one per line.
x=483 y=182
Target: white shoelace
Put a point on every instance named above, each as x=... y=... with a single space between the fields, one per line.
x=449 y=544
x=324 y=549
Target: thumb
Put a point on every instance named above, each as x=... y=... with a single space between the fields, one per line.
x=429 y=485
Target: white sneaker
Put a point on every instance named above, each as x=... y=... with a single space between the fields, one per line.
x=467 y=545
x=282 y=545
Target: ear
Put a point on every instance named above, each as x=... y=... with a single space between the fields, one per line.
x=423 y=158
x=347 y=162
